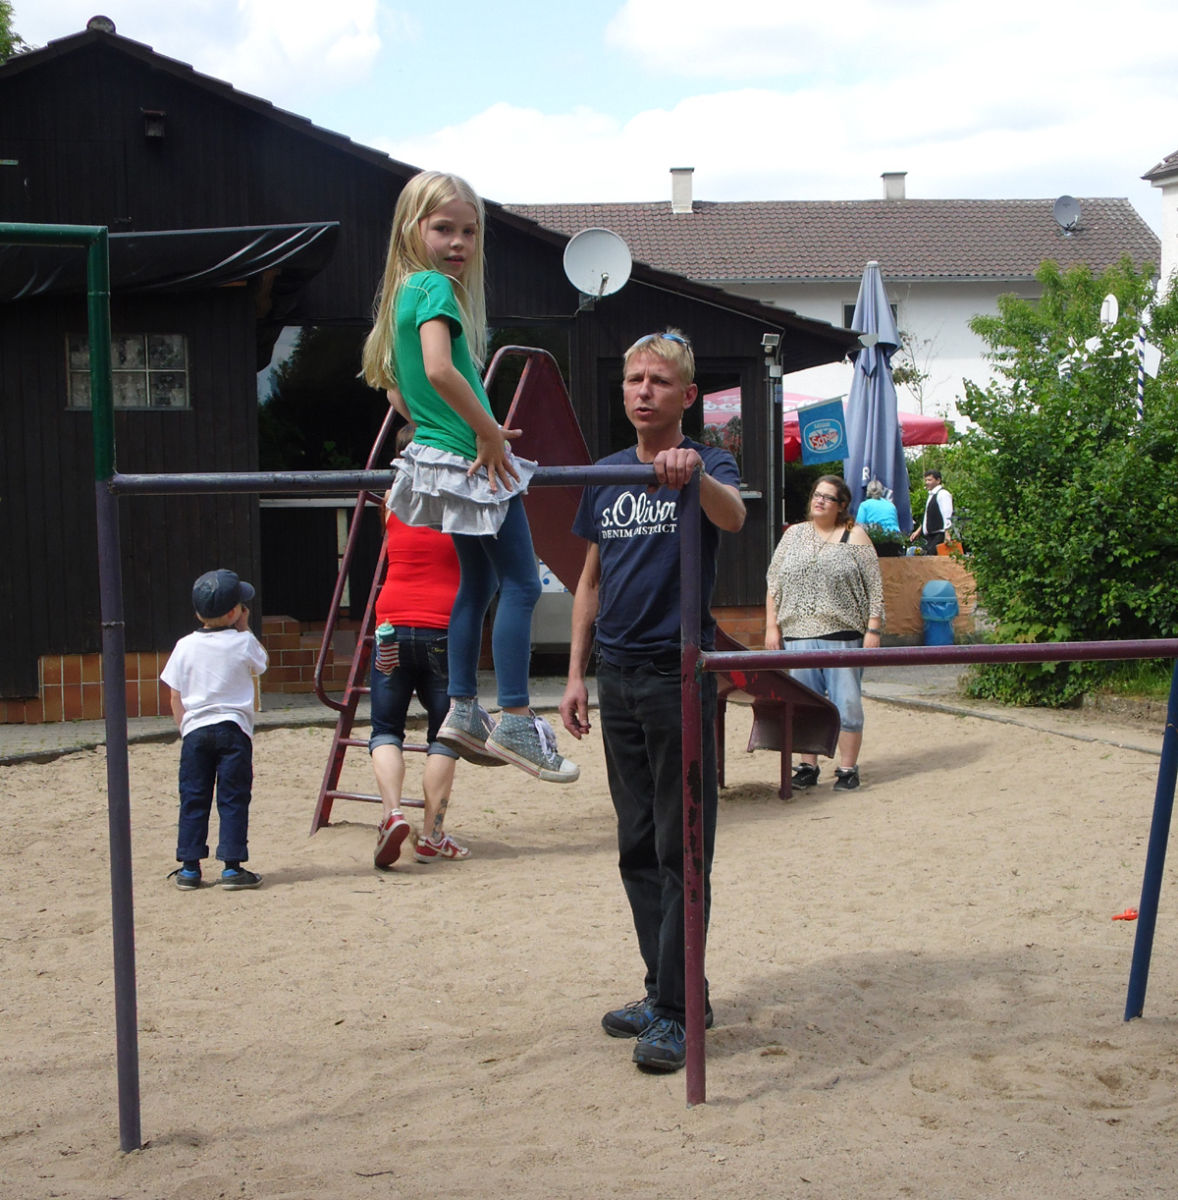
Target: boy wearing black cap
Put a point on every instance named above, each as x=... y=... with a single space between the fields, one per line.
x=211 y=673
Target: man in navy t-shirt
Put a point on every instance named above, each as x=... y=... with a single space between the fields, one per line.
x=628 y=599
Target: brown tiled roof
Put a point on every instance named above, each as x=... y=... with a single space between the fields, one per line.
x=1168 y=166
x=781 y=241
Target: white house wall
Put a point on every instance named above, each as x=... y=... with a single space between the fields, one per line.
x=933 y=316
x=1169 y=262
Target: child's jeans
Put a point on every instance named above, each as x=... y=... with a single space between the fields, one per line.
x=222 y=754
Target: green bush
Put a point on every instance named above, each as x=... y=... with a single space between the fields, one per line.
x=1070 y=494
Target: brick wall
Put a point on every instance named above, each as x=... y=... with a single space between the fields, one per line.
x=70 y=685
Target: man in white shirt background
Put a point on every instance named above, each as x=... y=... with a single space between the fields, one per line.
x=938 y=513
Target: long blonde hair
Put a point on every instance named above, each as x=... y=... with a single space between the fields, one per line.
x=423 y=195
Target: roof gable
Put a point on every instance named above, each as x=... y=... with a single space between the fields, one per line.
x=912 y=240
x=1164 y=170
x=89 y=39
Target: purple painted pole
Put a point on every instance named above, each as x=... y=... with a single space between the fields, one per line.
x=118 y=806
x=114 y=695
x=1155 y=859
x=693 y=828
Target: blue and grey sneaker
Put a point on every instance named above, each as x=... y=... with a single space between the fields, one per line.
x=661 y=1046
x=633 y=1019
x=465 y=731
x=530 y=744
x=187 y=879
x=237 y=879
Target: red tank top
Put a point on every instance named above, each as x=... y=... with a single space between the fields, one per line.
x=422 y=576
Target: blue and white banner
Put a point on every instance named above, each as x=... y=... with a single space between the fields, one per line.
x=823 y=431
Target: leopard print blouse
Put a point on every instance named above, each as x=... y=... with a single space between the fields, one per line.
x=818 y=587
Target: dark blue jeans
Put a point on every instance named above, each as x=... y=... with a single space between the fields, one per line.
x=421 y=668
x=642 y=728
x=221 y=754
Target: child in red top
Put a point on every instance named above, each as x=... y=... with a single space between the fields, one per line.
x=416 y=599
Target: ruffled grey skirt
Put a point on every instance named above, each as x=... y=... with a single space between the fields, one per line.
x=431 y=487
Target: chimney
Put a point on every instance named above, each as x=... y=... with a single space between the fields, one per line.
x=894 y=184
x=681 y=189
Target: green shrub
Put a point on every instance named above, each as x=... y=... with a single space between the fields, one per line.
x=1070 y=494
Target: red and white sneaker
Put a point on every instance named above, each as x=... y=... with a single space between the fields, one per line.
x=427 y=850
x=393 y=831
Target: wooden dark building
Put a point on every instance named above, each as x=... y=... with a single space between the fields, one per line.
x=232 y=222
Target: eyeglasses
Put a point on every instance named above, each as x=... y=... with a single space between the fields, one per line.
x=826 y=498
x=670 y=337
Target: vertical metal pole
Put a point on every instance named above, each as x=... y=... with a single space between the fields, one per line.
x=114 y=694
x=693 y=830
x=773 y=442
x=1155 y=858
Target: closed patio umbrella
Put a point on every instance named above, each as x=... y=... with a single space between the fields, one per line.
x=873 y=425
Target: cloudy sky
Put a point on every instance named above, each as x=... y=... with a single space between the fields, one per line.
x=543 y=100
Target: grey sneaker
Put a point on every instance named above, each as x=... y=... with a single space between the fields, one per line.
x=530 y=744
x=806 y=776
x=465 y=731
x=846 y=780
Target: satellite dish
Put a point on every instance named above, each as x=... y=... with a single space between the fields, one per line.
x=1109 y=310
x=1066 y=211
x=597 y=262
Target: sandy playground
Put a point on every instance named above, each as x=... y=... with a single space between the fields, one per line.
x=918 y=987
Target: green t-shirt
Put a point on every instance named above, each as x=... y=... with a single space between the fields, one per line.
x=426 y=296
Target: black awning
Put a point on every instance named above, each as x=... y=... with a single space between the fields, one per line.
x=173 y=260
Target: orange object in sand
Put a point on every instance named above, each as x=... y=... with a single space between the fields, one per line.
x=1130 y=914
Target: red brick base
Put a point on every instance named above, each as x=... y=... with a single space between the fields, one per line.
x=70 y=685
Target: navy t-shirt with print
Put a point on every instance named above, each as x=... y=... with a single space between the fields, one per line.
x=636 y=532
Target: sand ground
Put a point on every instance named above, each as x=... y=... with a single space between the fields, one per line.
x=919 y=989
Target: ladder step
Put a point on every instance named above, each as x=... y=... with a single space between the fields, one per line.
x=406 y=802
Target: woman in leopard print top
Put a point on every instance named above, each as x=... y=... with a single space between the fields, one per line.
x=825 y=592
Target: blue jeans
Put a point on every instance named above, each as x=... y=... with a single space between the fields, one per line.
x=221 y=754
x=841 y=685
x=505 y=564
x=642 y=729
x=421 y=668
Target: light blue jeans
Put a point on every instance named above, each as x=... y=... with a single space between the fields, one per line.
x=841 y=685
x=505 y=564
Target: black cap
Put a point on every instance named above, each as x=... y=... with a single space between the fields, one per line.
x=216 y=592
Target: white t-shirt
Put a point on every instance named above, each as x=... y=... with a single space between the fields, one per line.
x=213 y=670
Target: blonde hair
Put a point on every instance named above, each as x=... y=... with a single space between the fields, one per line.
x=671 y=346
x=422 y=196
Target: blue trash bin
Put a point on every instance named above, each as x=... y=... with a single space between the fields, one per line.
x=938 y=607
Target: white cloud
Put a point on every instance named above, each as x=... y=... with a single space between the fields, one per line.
x=790 y=102
x=758 y=144
x=278 y=49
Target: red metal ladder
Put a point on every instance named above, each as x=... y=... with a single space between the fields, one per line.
x=356 y=685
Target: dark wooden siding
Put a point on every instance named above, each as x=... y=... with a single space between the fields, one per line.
x=49 y=589
x=72 y=118
x=306 y=580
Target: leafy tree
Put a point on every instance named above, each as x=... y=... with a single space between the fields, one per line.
x=10 y=42
x=1070 y=493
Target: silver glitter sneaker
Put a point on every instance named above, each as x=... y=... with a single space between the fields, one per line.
x=530 y=744
x=465 y=731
